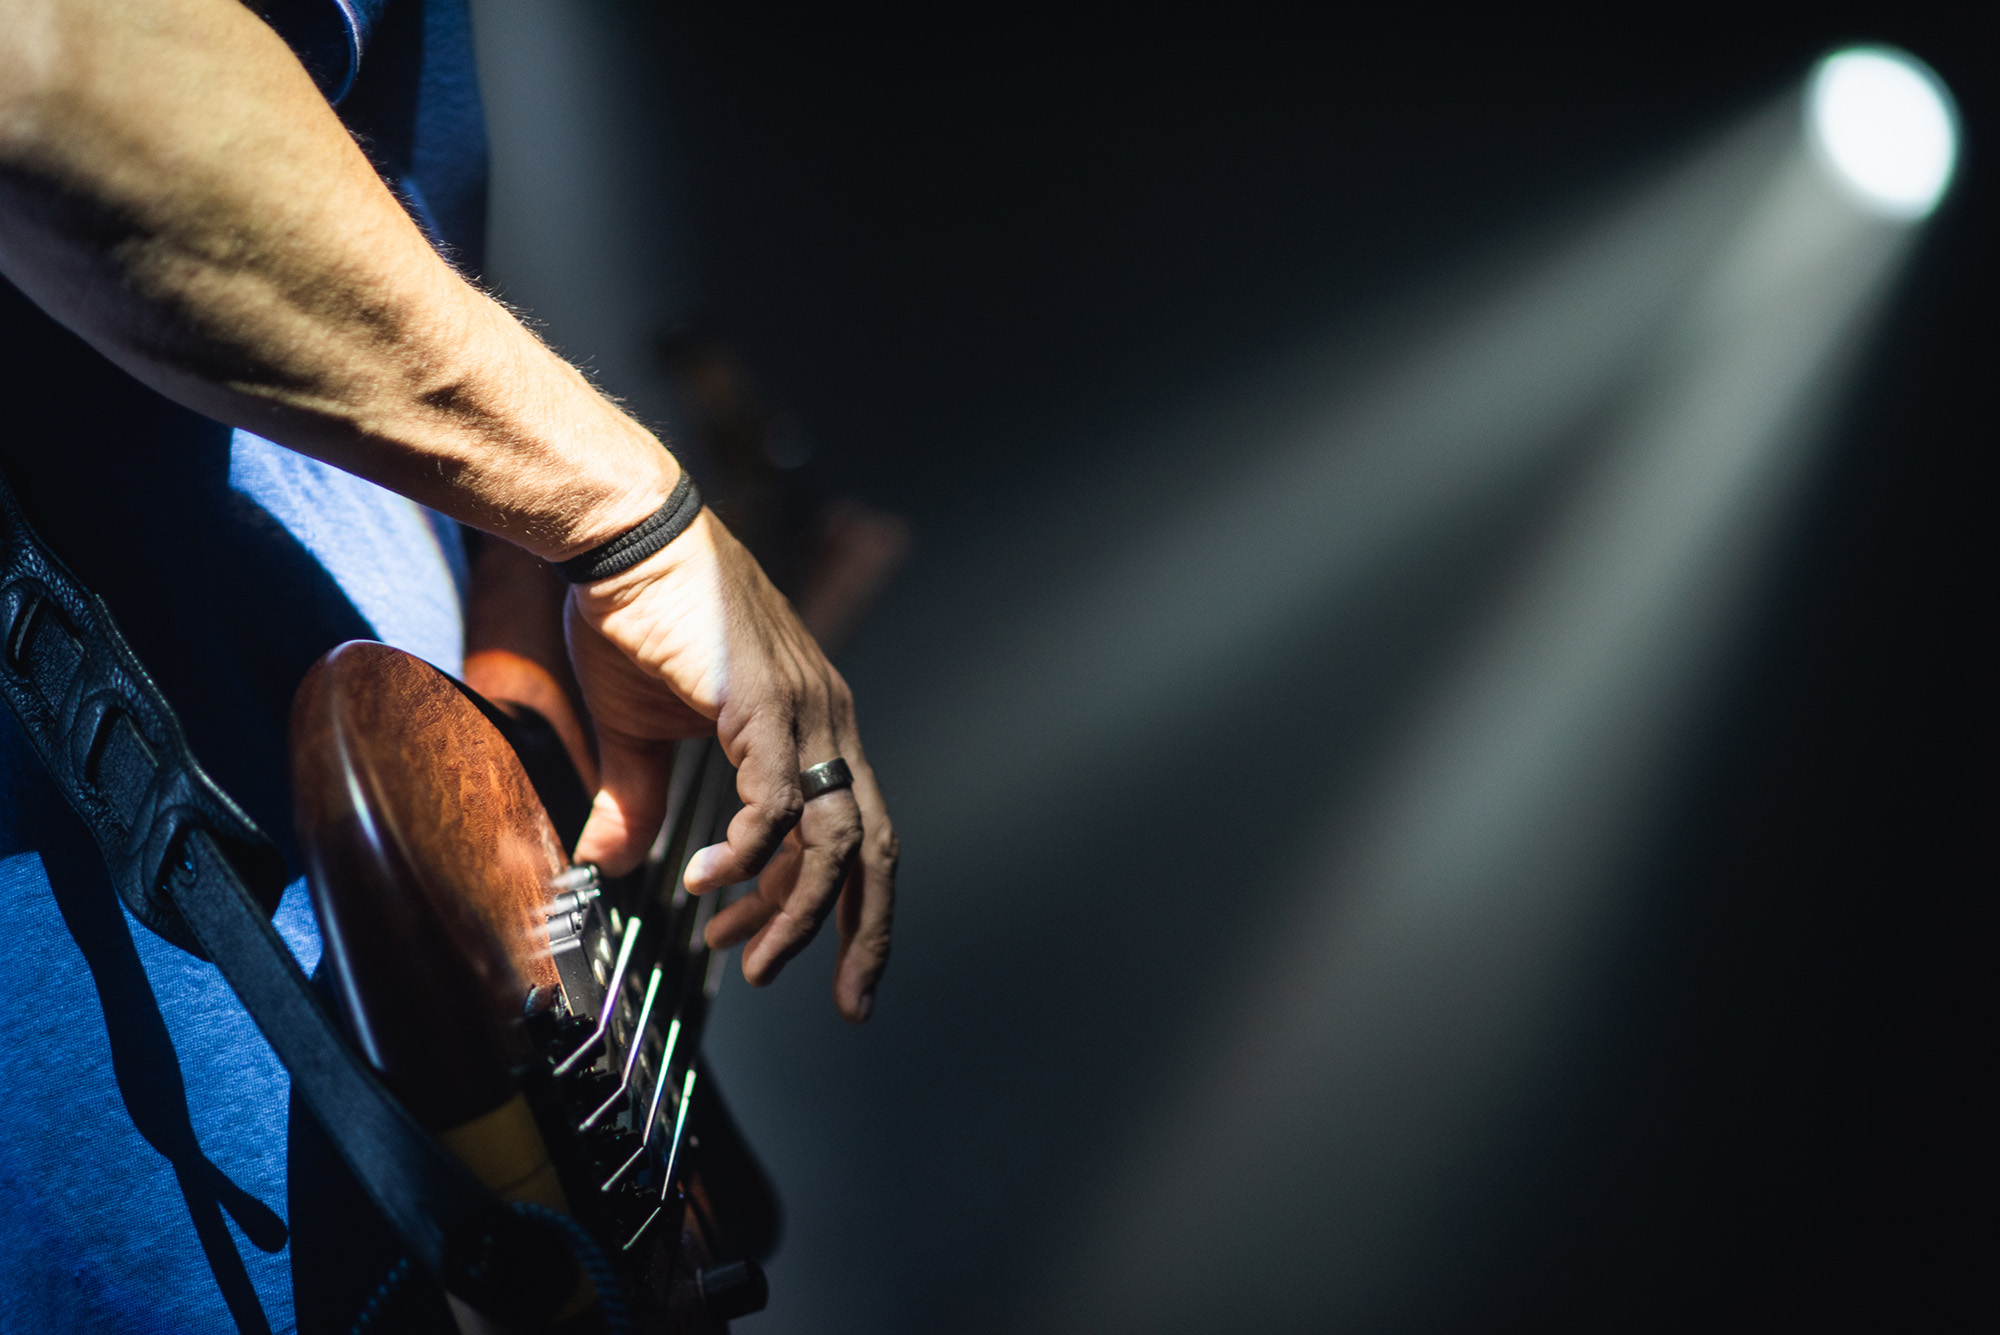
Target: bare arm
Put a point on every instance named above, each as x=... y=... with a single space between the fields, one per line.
x=174 y=188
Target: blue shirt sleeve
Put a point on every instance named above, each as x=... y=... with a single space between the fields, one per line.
x=328 y=36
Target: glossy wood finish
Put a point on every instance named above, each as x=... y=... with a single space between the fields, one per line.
x=430 y=860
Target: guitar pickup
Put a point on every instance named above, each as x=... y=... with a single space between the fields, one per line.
x=568 y=913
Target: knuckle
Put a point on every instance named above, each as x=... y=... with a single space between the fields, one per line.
x=849 y=848
x=872 y=944
x=837 y=826
x=842 y=839
x=883 y=847
x=773 y=712
x=783 y=809
x=806 y=920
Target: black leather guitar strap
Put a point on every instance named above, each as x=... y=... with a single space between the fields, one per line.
x=194 y=868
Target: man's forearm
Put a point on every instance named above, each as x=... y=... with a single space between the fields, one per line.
x=174 y=188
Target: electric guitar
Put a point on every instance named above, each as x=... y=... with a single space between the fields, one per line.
x=544 y=1023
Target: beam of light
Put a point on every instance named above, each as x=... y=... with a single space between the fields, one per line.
x=1181 y=572
x=1883 y=125
x=1106 y=612
x=1401 y=1012
x=1098 y=615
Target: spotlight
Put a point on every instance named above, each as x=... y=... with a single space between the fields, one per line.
x=1882 y=124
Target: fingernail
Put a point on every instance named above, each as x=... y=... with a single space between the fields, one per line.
x=866 y=1008
x=699 y=865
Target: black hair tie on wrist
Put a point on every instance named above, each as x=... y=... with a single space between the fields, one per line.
x=635 y=544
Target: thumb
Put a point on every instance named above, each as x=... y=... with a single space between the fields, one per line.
x=631 y=801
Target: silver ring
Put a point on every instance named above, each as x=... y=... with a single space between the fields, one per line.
x=826 y=777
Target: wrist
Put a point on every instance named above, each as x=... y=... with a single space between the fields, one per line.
x=639 y=543
x=700 y=539
x=575 y=471
x=619 y=506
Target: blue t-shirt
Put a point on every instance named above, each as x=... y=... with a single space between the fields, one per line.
x=153 y=1176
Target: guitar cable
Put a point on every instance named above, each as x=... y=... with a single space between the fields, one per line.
x=611 y=1300
x=612 y=1306
x=379 y=1301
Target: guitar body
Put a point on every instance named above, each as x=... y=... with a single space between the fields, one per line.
x=544 y=1027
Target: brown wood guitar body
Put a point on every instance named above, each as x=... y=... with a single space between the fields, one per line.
x=432 y=866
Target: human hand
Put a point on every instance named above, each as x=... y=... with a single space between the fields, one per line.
x=695 y=641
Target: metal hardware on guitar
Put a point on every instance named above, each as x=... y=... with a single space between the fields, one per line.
x=543 y=1021
x=576 y=890
x=649 y=1044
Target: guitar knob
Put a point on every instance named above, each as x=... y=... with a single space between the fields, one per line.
x=736 y=1288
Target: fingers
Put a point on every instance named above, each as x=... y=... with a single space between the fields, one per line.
x=799 y=892
x=631 y=801
x=784 y=910
x=767 y=779
x=796 y=892
x=740 y=921
x=699 y=640
x=868 y=903
x=829 y=834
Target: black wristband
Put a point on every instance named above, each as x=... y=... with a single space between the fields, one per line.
x=635 y=544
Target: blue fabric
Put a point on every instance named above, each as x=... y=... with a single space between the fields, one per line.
x=97 y=1159
x=152 y=1175
x=414 y=104
x=402 y=76
x=401 y=566
x=328 y=36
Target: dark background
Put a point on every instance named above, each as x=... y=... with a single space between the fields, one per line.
x=963 y=258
